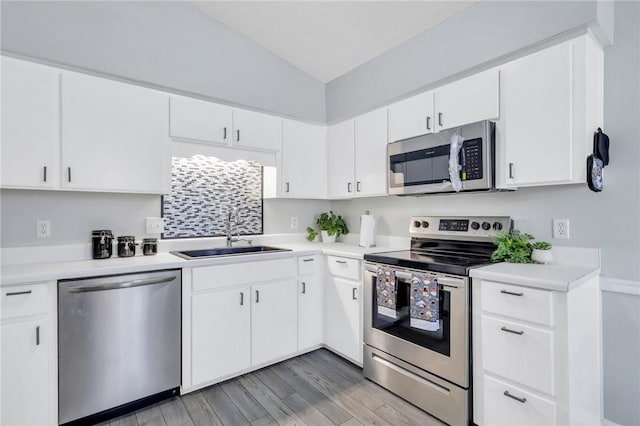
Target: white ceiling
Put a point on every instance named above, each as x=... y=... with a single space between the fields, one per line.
x=326 y=39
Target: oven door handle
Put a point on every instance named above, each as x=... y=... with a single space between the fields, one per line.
x=406 y=276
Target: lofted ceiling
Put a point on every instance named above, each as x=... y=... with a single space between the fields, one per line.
x=327 y=39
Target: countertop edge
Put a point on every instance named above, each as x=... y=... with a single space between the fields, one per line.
x=583 y=275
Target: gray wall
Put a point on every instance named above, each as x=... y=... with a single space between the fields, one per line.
x=167 y=44
x=608 y=220
x=477 y=35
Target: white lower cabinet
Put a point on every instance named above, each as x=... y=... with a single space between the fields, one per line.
x=310 y=291
x=28 y=359
x=536 y=355
x=342 y=308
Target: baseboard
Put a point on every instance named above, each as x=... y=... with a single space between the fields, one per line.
x=606 y=422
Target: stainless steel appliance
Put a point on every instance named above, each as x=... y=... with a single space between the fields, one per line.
x=119 y=343
x=429 y=368
x=421 y=165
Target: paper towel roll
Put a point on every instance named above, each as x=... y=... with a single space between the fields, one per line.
x=367 y=229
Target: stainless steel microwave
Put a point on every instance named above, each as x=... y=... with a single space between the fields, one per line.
x=420 y=165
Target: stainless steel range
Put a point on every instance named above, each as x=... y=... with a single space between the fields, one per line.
x=417 y=313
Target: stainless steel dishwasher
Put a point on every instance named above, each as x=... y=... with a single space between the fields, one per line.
x=118 y=343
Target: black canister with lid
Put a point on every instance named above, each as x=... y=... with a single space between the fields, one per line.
x=126 y=246
x=102 y=243
x=149 y=246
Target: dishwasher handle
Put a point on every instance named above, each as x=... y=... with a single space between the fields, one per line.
x=121 y=285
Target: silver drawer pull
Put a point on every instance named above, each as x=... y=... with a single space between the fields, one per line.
x=308 y=260
x=353 y=293
x=17 y=293
x=522 y=400
x=519 y=333
x=304 y=287
x=241 y=298
x=38 y=336
x=510 y=293
x=342 y=262
x=257 y=296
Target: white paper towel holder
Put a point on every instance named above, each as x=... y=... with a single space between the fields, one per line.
x=372 y=244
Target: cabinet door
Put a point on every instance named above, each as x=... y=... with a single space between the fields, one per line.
x=25 y=373
x=343 y=322
x=114 y=136
x=198 y=120
x=309 y=312
x=411 y=117
x=304 y=167
x=340 y=160
x=256 y=130
x=30 y=125
x=371 y=153
x=220 y=324
x=537 y=118
x=274 y=321
x=468 y=100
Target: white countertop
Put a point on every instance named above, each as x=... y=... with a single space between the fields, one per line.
x=61 y=269
x=548 y=277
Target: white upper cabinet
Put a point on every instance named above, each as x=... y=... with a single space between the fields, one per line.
x=30 y=125
x=340 y=160
x=552 y=105
x=304 y=165
x=471 y=99
x=256 y=130
x=371 y=153
x=411 y=117
x=197 y=120
x=114 y=136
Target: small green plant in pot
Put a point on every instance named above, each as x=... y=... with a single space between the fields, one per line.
x=312 y=234
x=331 y=226
x=513 y=247
x=541 y=252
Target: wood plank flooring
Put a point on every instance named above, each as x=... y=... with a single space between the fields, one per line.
x=318 y=388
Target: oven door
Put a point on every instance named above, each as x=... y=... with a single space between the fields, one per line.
x=444 y=352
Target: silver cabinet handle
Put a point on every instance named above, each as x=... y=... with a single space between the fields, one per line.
x=237 y=135
x=287 y=190
x=45 y=173
x=440 y=119
x=69 y=174
x=308 y=260
x=241 y=298
x=38 y=336
x=257 y=296
x=224 y=133
x=353 y=293
x=342 y=262
x=511 y=293
x=522 y=400
x=304 y=287
x=348 y=186
x=508 y=330
x=428 y=123
x=16 y=293
x=358 y=184
x=510 y=170
x=121 y=285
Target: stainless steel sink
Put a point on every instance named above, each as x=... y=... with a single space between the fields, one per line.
x=226 y=251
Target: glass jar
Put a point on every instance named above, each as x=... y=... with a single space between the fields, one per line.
x=149 y=246
x=126 y=246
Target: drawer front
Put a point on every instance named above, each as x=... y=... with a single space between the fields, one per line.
x=20 y=301
x=528 y=409
x=308 y=265
x=344 y=267
x=518 y=302
x=523 y=354
x=244 y=273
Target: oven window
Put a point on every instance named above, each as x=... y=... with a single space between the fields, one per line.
x=438 y=341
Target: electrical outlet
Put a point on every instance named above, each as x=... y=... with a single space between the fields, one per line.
x=43 y=228
x=561 y=228
x=294 y=222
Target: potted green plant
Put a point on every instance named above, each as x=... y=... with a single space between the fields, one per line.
x=513 y=247
x=331 y=226
x=312 y=234
x=541 y=252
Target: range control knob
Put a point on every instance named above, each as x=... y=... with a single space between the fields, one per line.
x=486 y=226
x=497 y=226
x=475 y=226
x=425 y=224
x=416 y=224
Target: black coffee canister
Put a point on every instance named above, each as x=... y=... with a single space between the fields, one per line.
x=126 y=246
x=102 y=244
x=149 y=246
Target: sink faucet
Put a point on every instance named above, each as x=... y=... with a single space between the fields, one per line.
x=233 y=218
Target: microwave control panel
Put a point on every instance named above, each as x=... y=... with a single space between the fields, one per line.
x=471 y=159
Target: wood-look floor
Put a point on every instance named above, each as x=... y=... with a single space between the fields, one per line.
x=318 y=388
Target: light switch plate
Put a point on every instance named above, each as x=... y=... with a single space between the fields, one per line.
x=155 y=225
